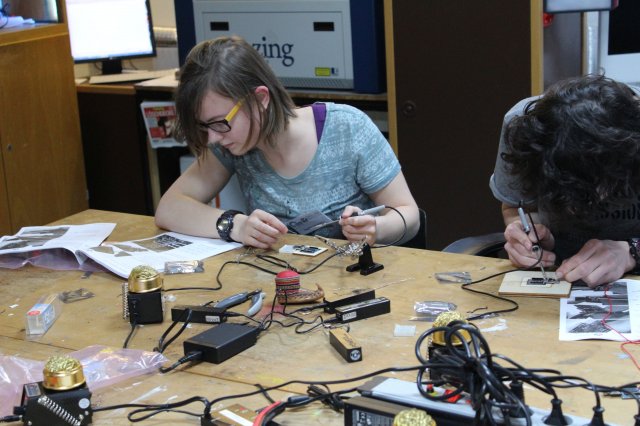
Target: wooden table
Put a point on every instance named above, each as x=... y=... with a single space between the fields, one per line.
x=529 y=335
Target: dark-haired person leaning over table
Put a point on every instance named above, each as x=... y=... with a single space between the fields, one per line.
x=572 y=156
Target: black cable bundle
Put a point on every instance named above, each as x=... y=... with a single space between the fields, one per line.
x=460 y=358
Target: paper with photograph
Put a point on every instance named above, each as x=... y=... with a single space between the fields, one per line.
x=609 y=312
x=66 y=247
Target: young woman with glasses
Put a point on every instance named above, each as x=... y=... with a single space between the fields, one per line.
x=237 y=118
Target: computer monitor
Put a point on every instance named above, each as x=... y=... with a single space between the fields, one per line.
x=619 y=42
x=110 y=31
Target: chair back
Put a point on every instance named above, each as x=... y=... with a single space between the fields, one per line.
x=419 y=241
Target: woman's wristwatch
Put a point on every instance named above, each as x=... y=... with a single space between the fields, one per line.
x=224 y=224
x=634 y=250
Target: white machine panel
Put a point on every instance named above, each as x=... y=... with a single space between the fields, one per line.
x=306 y=42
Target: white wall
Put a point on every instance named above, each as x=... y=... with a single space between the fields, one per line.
x=163 y=14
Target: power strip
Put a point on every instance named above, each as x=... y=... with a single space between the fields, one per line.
x=405 y=393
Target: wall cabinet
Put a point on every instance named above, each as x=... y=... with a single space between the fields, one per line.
x=116 y=160
x=453 y=71
x=42 y=176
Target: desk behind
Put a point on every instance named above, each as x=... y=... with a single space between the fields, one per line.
x=529 y=335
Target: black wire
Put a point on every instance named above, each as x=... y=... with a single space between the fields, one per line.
x=404 y=231
x=470 y=369
x=332 y=399
x=264 y=393
x=465 y=286
x=303 y=382
x=193 y=288
x=186 y=317
x=273 y=260
x=191 y=356
x=134 y=325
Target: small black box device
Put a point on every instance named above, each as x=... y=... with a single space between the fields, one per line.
x=199 y=314
x=145 y=308
x=44 y=407
x=345 y=345
x=360 y=297
x=221 y=342
x=362 y=310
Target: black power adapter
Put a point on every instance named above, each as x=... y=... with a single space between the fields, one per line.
x=221 y=342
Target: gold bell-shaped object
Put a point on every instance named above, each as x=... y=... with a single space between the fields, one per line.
x=62 y=373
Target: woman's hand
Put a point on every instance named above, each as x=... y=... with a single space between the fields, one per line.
x=357 y=228
x=260 y=229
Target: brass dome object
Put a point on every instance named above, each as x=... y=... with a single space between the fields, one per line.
x=443 y=320
x=62 y=373
x=413 y=417
x=144 y=279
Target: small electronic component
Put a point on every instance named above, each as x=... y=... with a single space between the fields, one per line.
x=541 y=281
x=345 y=345
x=453 y=277
x=75 y=295
x=429 y=310
x=43 y=314
x=199 y=314
x=302 y=249
x=362 y=310
x=306 y=250
x=183 y=267
x=359 y=297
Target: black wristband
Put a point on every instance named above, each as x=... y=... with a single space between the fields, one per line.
x=634 y=251
x=224 y=225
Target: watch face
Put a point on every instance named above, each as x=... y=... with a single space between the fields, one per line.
x=223 y=224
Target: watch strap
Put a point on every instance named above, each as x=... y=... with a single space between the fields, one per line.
x=634 y=251
x=224 y=224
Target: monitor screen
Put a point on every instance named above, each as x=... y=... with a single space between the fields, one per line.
x=109 y=31
x=619 y=43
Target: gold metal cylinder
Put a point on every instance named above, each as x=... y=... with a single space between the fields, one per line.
x=144 y=279
x=443 y=320
x=62 y=373
x=413 y=417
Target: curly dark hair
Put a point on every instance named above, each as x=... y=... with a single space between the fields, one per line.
x=577 y=148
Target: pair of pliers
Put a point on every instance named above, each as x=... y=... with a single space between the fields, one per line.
x=256 y=297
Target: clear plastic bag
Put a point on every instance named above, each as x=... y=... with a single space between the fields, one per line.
x=102 y=366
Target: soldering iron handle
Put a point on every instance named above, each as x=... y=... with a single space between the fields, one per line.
x=523 y=219
x=232 y=301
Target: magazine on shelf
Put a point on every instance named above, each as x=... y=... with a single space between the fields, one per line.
x=160 y=119
x=610 y=312
x=82 y=247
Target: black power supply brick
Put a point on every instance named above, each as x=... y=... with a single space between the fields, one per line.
x=221 y=342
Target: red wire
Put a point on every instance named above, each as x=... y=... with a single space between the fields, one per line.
x=265 y=411
x=627 y=341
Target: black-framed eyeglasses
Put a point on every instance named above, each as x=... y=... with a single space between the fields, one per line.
x=221 y=126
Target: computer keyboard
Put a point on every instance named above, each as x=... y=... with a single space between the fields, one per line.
x=130 y=76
